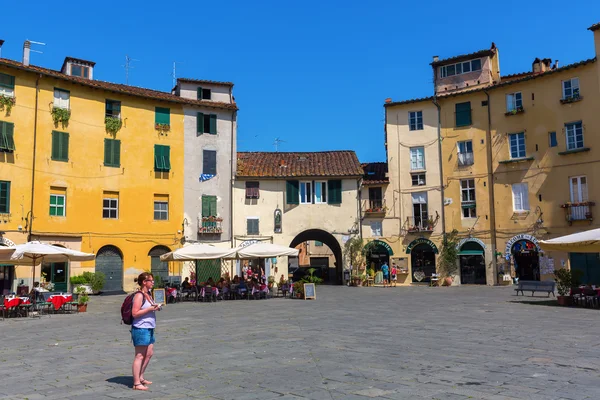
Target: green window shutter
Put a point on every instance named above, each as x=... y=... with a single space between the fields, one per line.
x=463 y=114
x=107 y=152
x=292 y=194
x=209 y=206
x=200 y=124
x=334 y=189
x=9 y=130
x=162 y=115
x=158 y=159
x=7 y=81
x=60 y=146
x=213 y=205
x=64 y=146
x=213 y=124
x=167 y=157
x=112 y=153
x=199 y=93
x=205 y=207
x=117 y=153
x=4 y=197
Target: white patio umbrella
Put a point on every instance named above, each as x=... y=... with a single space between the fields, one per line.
x=198 y=251
x=265 y=250
x=35 y=253
x=582 y=242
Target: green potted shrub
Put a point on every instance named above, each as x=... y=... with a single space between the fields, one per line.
x=82 y=299
x=565 y=281
x=95 y=280
x=299 y=289
x=447 y=260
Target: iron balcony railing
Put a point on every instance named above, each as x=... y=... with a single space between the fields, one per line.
x=419 y=224
x=578 y=211
x=210 y=225
x=374 y=206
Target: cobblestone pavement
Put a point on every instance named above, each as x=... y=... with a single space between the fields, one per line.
x=350 y=343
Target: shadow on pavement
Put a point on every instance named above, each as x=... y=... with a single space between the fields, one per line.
x=121 y=380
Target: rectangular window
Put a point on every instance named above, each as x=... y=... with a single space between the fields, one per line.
x=334 y=191
x=420 y=215
x=570 y=88
x=520 y=192
x=579 y=189
x=252 y=226
x=417 y=158
x=60 y=146
x=318 y=244
x=7 y=85
x=574 y=133
x=418 y=179
x=162 y=158
x=161 y=207
x=252 y=190
x=292 y=190
x=162 y=115
x=7 y=140
x=80 y=70
x=62 y=98
x=57 y=205
x=209 y=162
x=463 y=114
x=460 y=68
x=204 y=94
x=415 y=119
x=4 y=197
x=209 y=206
x=376 y=228
x=206 y=123
x=321 y=192
x=465 y=153
x=113 y=109
x=514 y=102
x=305 y=192
x=110 y=205
x=517 y=145
x=467 y=198
x=552 y=142
x=112 y=153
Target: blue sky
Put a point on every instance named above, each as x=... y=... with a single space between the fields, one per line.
x=313 y=73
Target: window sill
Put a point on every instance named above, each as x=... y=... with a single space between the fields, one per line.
x=571 y=100
x=516 y=160
x=418 y=171
x=56 y=159
x=514 y=112
x=112 y=166
x=574 y=151
x=162 y=170
x=463 y=126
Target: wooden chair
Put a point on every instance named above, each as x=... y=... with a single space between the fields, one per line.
x=435 y=279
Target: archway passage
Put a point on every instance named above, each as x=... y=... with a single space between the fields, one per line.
x=157 y=267
x=422 y=260
x=109 y=261
x=527 y=260
x=335 y=271
x=472 y=264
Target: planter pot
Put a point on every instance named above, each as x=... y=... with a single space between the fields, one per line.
x=299 y=295
x=81 y=307
x=447 y=281
x=564 y=300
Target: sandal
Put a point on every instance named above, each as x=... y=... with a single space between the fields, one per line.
x=135 y=387
x=145 y=382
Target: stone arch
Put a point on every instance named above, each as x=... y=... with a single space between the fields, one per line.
x=331 y=242
x=109 y=261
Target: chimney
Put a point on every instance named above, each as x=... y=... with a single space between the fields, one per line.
x=1 y=43
x=541 y=66
x=26 y=52
x=436 y=59
x=388 y=100
x=555 y=64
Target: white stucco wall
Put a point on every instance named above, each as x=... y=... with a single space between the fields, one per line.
x=390 y=222
x=220 y=185
x=219 y=93
x=338 y=220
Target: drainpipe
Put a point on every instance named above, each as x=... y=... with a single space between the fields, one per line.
x=491 y=189
x=439 y=132
x=37 y=91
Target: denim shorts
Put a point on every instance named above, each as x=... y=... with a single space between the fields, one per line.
x=142 y=336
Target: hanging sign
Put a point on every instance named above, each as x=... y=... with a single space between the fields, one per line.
x=378 y=243
x=465 y=240
x=247 y=243
x=515 y=239
x=419 y=241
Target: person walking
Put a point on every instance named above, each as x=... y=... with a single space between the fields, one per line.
x=143 y=311
x=394 y=273
x=386 y=273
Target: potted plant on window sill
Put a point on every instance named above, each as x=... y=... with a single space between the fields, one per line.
x=162 y=127
x=61 y=115
x=7 y=102
x=82 y=299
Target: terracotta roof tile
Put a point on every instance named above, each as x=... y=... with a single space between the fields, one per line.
x=418 y=100
x=464 y=57
x=375 y=173
x=191 y=80
x=118 y=88
x=298 y=164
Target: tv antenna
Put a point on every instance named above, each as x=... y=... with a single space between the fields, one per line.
x=277 y=142
x=128 y=65
x=174 y=73
x=34 y=42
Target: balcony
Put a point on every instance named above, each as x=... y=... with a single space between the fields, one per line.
x=465 y=159
x=578 y=211
x=374 y=207
x=420 y=224
x=210 y=225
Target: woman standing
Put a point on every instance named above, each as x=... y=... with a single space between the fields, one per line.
x=142 y=329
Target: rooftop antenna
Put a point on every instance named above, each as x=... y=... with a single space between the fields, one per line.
x=174 y=73
x=128 y=65
x=34 y=42
x=277 y=142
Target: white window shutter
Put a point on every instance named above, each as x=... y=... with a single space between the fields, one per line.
x=525 y=194
x=517 y=203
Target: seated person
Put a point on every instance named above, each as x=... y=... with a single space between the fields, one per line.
x=221 y=284
x=236 y=279
x=242 y=285
x=282 y=281
x=210 y=282
x=186 y=285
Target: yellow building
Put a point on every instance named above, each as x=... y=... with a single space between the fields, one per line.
x=92 y=166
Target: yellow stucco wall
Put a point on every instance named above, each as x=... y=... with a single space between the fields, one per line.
x=85 y=177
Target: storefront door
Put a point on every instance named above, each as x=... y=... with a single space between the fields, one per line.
x=56 y=273
x=588 y=264
x=472 y=264
x=6 y=279
x=422 y=260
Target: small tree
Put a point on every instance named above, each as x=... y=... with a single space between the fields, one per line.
x=447 y=265
x=353 y=252
x=566 y=280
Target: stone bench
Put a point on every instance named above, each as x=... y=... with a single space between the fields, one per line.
x=536 y=286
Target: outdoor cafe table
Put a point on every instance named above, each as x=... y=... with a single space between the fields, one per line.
x=59 y=300
x=14 y=301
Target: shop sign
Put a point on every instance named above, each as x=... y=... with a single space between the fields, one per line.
x=247 y=243
x=419 y=241
x=515 y=239
x=465 y=240
x=379 y=243
x=7 y=242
